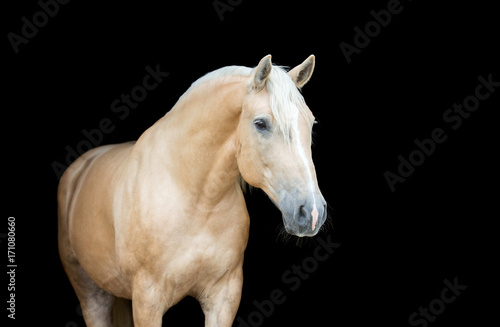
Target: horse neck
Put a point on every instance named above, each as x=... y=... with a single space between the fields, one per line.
x=196 y=142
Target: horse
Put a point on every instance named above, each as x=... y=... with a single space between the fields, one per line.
x=141 y=225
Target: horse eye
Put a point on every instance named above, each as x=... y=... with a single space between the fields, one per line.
x=260 y=124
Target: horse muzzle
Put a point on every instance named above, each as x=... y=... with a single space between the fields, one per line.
x=303 y=217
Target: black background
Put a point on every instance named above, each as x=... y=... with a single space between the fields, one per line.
x=396 y=247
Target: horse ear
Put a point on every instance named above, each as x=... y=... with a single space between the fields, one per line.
x=260 y=74
x=302 y=73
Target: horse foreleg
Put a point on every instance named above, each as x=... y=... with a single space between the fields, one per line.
x=220 y=308
x=147 y=304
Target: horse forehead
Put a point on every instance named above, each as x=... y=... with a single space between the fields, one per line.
x=262 y=99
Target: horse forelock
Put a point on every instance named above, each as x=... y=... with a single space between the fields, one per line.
x=285 y=100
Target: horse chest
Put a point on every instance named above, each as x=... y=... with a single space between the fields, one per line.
x=188 y=251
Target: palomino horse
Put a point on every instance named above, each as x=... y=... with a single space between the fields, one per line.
x=165 y=217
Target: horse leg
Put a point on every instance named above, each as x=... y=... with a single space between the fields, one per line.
x=220 y=308
x=147 y=304
x=96 y=303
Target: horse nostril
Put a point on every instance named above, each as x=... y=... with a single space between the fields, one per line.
x=302 y=215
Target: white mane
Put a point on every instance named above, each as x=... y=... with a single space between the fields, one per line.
x=285 y=99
